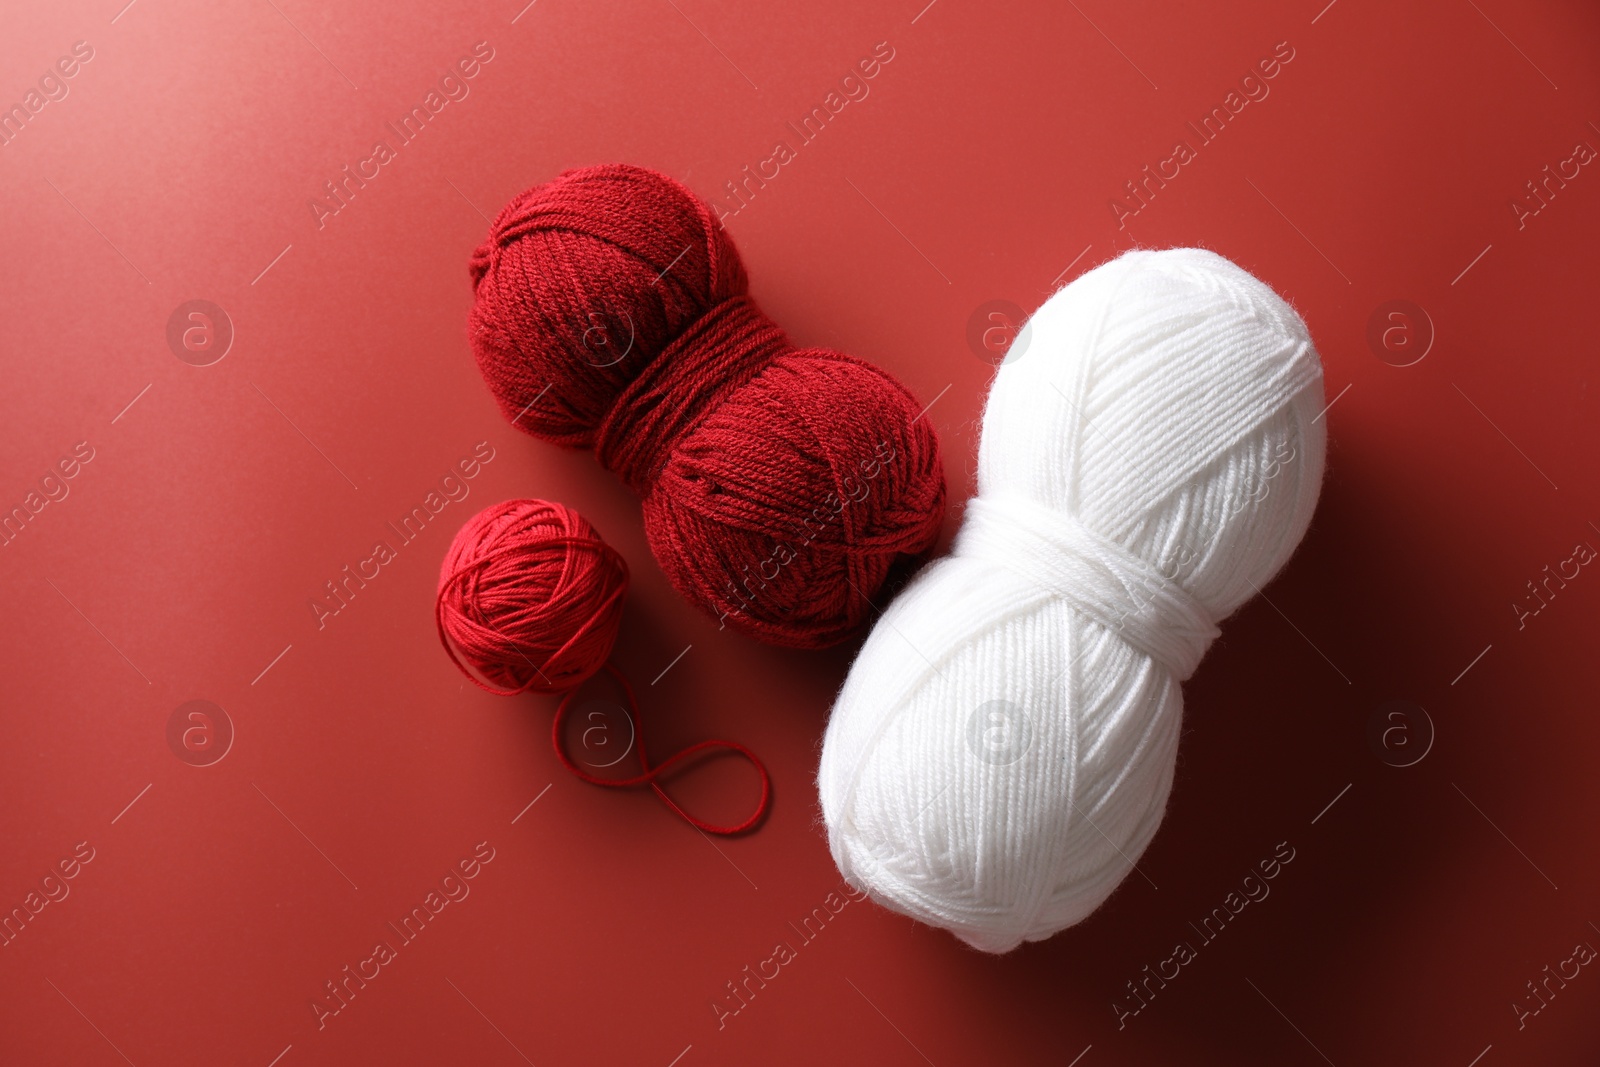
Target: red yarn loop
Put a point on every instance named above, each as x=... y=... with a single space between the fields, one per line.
x=652 y=774
x=530 y=598
x=782 y=488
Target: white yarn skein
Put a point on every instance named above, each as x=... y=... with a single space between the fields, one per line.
x=1003 y=748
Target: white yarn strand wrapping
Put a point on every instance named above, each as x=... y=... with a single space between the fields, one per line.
x=1002 y=751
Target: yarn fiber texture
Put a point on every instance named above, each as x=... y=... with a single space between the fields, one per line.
x=1003 y=748
x=782 y=487
x=529 y=597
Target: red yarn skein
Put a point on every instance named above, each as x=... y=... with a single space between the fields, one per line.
x=529 y=598
x=782 y=487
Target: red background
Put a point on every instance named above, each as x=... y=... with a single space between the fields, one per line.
x=980 y=167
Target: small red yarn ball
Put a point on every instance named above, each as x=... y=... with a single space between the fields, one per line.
x=530 y=598
x=782 y=488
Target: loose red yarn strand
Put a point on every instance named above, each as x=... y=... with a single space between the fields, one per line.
x=520 y=576
x=651 y=775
